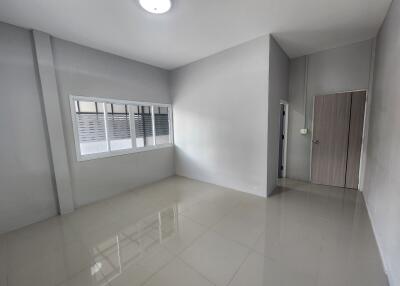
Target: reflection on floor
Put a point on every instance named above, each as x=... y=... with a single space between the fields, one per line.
x=184 y=232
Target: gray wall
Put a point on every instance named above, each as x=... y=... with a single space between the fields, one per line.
x=336 y=70
x=51 y=106
x=26 y=191
x=220 y=117
x=382 y=180
x=278 y=90
x=88 y=72
x=298 y=146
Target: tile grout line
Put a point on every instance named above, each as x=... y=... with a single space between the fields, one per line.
x=159 y=270
x=240 y=266
x=209 y=229
x=195 y=270
x=218 y=220
x=176 y=255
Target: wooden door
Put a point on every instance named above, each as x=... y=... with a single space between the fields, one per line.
x=355 y=138
x=330 y=139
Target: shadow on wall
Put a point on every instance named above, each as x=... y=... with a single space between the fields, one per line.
x=185 y=165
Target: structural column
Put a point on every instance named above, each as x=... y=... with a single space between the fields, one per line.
x=51 y=101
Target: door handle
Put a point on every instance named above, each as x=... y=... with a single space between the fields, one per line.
x=315 y=141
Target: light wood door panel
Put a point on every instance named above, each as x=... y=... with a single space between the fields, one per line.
x=330 y=139
x=355 y=138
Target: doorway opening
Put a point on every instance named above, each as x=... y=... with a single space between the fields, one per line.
x=283 y=122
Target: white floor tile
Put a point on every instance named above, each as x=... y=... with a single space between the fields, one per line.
x=187 y=231
x=137 y=272
x=215 y=257
x=86 y=278
x=177 y=273
x=205 y=213
x=241 y=225
x=257 y=270
x=183 y=232
x=47 y=270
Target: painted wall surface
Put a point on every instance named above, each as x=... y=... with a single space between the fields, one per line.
x=382 y=181
x=27 y=194
x=298 y=147
x=278 y=90
x=336 y=70
x=220 y=117
x=51 y=106
x=87 y=72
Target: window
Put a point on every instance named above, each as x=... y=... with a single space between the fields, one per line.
x=118 y=126
x=143 y=126
x=105 y=127
x=91 y=127
x=161 y=123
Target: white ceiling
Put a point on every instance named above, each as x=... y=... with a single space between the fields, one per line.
x=194 y=29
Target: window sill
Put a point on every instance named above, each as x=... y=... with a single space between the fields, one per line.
x=83 y=158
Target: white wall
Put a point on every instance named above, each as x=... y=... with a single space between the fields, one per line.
x=382 y=180
x=278 y=90
x=87 y=72
x=341 y=69
x=220 y=117
x=27 y=194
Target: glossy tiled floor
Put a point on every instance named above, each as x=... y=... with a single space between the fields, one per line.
x=181 y=232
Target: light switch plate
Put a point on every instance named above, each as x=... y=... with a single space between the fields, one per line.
x=303 y=131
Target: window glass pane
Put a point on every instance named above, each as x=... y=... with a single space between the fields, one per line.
x=146 y=109
x=91 y=128
x=143 y=126
x=87 y=107
x=161 y=119
x=119 y=108
x=100 y=107
x=118 y=127
x=109 y=107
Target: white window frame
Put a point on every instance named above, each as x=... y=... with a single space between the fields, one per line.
x=130 y=104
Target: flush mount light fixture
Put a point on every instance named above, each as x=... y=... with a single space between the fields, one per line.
x=156 y=6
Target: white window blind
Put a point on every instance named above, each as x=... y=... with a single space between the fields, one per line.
x=143 y=126
x=106 y=127
x=91 y=127
x=162 y=123
x=118 y=126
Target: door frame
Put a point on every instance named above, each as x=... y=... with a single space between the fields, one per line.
x=285 y=139
x=361 y=171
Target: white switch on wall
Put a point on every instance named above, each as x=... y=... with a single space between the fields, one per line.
x=303 y=131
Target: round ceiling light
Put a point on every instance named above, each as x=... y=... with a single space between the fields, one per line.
x=156 y=6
